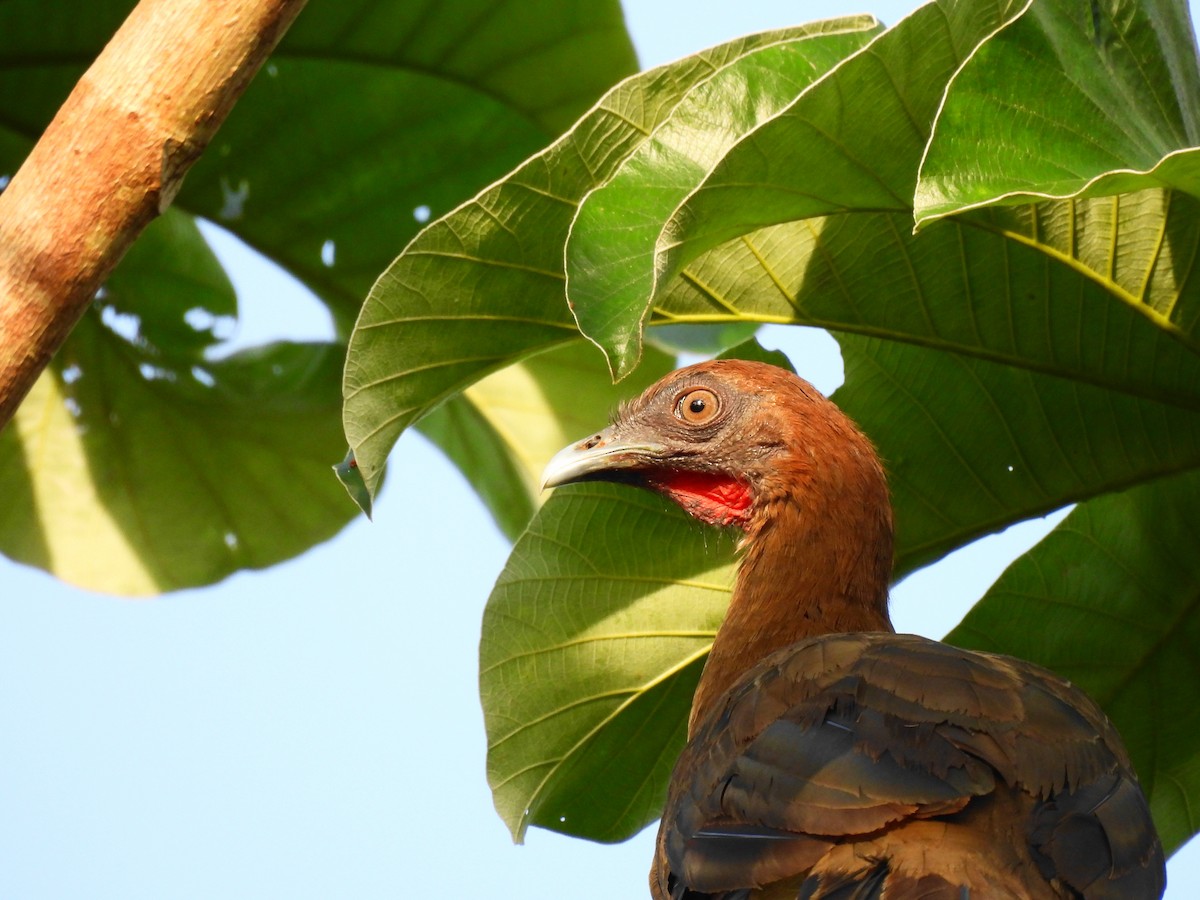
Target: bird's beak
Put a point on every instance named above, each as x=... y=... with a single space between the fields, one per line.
x=597 y=458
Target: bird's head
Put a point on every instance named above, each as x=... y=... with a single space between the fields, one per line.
x=751 y=445
x=729 y=441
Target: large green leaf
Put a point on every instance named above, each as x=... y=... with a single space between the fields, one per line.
x=620 y=220
x=1007 y=362
x=370 y=118
x=971 y=446
x=483 y=287
x=1119 y=581
x=1054 y=371
x=823 y=155
x=139 y=463
x=589 y=653
x=1070 y=99
x=127 y=472
x=850 y=142
x=826 y=155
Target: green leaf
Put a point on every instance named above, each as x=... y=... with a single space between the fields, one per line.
x=1119 y=581
x=1069 y=100
x=131 y=472
x=483 y=287
x=589 y=653
x=370 y=118
x=503 y=430
x=971 y=446
x=851 y=141
x=140 y=463
x=999 y=286
x=615 y=230
x=505 y=55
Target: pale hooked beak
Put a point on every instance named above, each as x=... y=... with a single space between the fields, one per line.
x=596 y=459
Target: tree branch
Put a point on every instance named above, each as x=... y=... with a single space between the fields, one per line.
x=113 y=158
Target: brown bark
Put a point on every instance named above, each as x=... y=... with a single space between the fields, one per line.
x=113 y=158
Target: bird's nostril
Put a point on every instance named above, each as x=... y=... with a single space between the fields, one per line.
x=591 y=443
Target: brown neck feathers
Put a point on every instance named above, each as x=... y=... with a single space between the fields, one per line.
x=817 y=559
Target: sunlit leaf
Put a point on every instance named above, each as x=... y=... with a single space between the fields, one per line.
x=851 y=142
x=127 y=473
x=620 y=221
x=589 y=654
x=1070 y=99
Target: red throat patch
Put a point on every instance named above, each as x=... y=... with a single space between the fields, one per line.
x=713 y=499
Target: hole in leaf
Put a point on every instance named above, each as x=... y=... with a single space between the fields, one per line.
x=328 y=252
x=275 y=305
x=422 y=213
x=220 y=327
x=817 y=354
x=233 y=202
x=125 y=324
x=156 y=373
x=203 y=376
x=72 y=373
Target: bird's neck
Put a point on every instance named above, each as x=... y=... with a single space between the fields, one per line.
x=811 y=566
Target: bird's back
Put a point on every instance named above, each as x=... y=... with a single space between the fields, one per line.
x=891 y=766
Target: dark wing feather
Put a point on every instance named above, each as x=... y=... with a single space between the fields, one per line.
x=845 y=740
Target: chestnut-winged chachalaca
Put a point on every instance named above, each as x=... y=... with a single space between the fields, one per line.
x=828 y=756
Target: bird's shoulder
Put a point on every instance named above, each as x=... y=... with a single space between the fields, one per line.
x=917 y=697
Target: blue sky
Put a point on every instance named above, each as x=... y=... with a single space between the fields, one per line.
x=314 y=730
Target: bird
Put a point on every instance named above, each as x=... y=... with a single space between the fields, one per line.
x=828 y=757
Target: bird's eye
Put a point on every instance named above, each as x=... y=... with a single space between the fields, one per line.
x=697 y=406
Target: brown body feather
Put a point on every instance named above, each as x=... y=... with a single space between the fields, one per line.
x=828 y=757
x=901 y=767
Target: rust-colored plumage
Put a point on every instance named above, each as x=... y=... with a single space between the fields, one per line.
x=829 y=757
